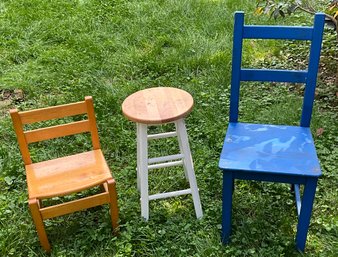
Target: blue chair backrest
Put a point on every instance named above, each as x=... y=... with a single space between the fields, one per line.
x=309 y=76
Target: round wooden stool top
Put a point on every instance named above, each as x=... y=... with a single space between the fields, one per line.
x=157 y=105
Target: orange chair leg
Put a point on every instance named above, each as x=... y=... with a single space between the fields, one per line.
x=34 y=207
x=114 y=211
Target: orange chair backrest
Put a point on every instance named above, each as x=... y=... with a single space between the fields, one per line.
x=55 y=112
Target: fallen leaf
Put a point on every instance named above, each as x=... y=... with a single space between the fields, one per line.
x=320 y=131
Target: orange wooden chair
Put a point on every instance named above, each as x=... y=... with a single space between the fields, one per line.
x=65 y=175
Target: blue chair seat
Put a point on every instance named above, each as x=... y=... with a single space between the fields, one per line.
x=284 y=150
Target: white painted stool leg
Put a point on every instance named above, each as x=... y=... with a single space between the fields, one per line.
x=188 y=164
x=138 y=157
x=143 y=168
x=181 y=151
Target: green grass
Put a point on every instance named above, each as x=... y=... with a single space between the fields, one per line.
x=60 y=51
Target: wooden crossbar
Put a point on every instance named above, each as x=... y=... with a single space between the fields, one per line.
x=165 y=158
x=54 y=112
x=165 y=165
x=291 y=76
x=170 y=194
x=277 y=32
x=162 y=135
x=57 y=131
x=73 y=206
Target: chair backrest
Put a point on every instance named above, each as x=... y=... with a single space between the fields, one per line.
x=309 y=76
x=56 y=112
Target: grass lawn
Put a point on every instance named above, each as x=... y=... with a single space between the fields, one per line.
x=55 y=52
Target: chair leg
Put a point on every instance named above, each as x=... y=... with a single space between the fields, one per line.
x=228 y=185
x=305 y=212
x=40 y=228
x=188 y=165
x=143 y=168
x=114 y=210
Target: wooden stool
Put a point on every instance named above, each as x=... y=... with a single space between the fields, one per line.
x=156 y=106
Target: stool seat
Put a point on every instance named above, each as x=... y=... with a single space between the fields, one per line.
x=157 y=105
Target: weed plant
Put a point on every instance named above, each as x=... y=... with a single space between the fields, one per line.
x=60 y=51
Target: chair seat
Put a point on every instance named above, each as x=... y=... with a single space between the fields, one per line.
x=287 y=150
x=66 y=175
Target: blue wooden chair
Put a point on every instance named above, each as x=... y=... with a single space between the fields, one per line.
x=274 y=153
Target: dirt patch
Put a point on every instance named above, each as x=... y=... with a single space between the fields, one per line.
x=8 y=98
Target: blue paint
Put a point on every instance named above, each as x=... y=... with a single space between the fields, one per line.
x=277 y=32
x=273 y=75
x=270 y=149
x=314 y=58
x=236 y=65
x=275 y=153
x=228 y=185
x=305 y=212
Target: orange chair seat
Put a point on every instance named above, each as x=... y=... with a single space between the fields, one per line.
x=66 y=175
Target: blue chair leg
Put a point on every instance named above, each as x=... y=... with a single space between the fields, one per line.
x=228 y=184
x=305 y=212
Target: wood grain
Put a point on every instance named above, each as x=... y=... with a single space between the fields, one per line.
x=157 y=105
x=57 y=131
x=66 y=175
x=18 y=128
x=53 y=112
x=76 y=205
